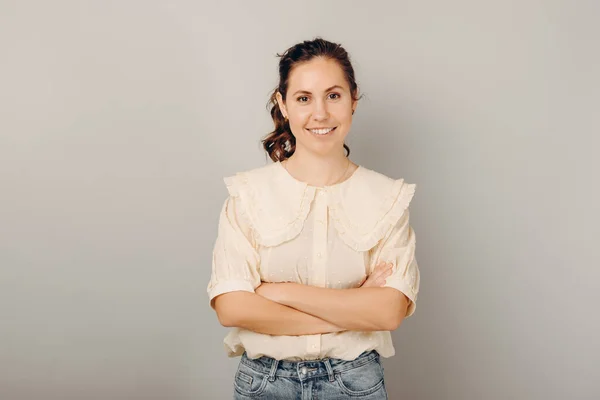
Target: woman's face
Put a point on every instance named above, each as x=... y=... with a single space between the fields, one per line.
x=318 y=105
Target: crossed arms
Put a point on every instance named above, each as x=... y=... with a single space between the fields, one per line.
x=295 y=309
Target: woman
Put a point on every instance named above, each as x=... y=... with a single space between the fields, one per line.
x=314 y=262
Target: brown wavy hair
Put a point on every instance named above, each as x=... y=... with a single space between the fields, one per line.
x=280 y=144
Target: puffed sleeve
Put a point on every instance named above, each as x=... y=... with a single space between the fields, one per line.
x=235 y=261
x=398 y=247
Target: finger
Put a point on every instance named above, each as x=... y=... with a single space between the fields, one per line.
x=384 y=274
x=386 y=270
x=377 y=270
x=377 y=275
x=379 y=266
x=382 y=266
x=385 y=277
x=390 y=268
x=386 y=266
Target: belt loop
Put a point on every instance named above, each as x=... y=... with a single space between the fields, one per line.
x=329 y=370
x=273 y=370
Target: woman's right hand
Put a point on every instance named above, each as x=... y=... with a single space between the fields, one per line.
x=378 y=276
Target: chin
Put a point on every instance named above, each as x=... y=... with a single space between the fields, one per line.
x=325 y=149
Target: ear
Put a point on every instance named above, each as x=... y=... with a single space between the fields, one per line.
x=281 y=104
x=354 y=105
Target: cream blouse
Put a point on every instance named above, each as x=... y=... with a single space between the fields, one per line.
x=275 y=228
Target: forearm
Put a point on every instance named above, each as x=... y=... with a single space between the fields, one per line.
x=361 y=309
x=258 y=314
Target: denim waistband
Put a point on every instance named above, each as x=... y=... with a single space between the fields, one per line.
x=307 y=368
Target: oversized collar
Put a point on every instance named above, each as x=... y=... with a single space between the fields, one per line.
x=363 y=208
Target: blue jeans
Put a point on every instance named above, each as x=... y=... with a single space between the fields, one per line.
x=326 y=379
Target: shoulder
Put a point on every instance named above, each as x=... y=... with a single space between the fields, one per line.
x=374 y=187
x=275 y=204
x=368 y=206
x=255 y=176
x=371 y=181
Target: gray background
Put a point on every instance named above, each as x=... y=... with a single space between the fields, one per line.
x=118 y=120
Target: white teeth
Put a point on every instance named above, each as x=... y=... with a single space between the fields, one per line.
x=321 y=131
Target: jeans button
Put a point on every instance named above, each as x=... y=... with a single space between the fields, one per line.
x=304 y=370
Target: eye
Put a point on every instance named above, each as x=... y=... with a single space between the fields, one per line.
x=335 y=94
x=302 y=97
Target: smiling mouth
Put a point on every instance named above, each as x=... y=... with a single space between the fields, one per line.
x=321 y=132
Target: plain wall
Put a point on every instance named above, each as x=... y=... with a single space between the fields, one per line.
x=119 y=119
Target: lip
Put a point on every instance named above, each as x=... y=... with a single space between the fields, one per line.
x=325 y=127
x=323 y=135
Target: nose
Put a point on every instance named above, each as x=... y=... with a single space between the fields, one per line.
x=320 y=111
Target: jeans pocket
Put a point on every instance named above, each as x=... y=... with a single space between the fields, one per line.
x=249 y=382
x=362 y=380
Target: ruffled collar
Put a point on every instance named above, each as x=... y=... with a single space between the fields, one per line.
x=364 y=207
x=326 y=187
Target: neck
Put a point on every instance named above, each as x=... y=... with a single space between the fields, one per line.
x=318 y=170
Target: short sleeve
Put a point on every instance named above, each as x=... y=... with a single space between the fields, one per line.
x=235 y=261
x=398 y=247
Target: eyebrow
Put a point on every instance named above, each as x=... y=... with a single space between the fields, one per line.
x=327 y=90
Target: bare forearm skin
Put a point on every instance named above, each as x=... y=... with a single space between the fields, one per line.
x=357 y=309
x=253 y=312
